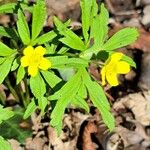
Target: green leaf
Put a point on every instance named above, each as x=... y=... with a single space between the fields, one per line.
x=70 y=38
x=8 y=32
x=42 y=103
x=45 y=38
x=15 y=65
x=5 y=50
x=7 y=8
x=20 y=74
x=5 y=68
x=4 y=144
x=129 y=61
x=66 y=73
x=23 y=28
x=122 y=38
x=66 y=93
x=38 y=18
x=86 y=6
x=11 y=128
x=30 y=109
x=99 y=100
x=80 y=102
x=37 y=85
x=5 y=114
x=2 y=59
x=51 y=78
x=98 y=32
x=99 y=28
x=63 y=61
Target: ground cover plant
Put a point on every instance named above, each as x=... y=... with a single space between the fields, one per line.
x=51 y=69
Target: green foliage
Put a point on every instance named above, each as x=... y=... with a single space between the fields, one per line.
x=67 y=82
x=5 y=114
x=30 y=109
x=86 y=7
x=11 y=129
x=4 y=144
x=51 y=78
x=5 y=68
x=8 y=32
x=23 y=28
x=64 y=98
x=45 y=38
x=122 y=38
x=5 y=50
x=70 y=38
x=99 y=100
x=129 y=60
x=7 y=8
x=37 y=86
x=39 y=16
x=20 y=74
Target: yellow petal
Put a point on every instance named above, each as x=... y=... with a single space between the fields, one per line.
x=116 y=56
x=103 y=75
x=44 y=64
x=24 y=61
x=28 y=51
x=112 y=78
x=32 y=70
x=123 y=67
x=40 y=50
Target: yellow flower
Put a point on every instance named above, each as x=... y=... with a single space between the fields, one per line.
x=34 y=60
x=114 y=66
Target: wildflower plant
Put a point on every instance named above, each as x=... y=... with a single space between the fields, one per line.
x=53 y=66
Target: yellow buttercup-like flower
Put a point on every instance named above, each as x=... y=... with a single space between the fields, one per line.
x=34 y=60
x=114 y=66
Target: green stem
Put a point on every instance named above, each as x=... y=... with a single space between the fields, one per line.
x=12 y=89
x=27 y=91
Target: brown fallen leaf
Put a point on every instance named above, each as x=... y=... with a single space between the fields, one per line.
x=87 y=141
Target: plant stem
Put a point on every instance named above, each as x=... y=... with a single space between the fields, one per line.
x=12 y=89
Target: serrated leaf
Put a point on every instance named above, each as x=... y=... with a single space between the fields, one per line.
x=5 y=114
x=23 y=28
x=5 y=68
x=86 y=6
x=20 y=74
x=122 y=38
x=37 y=85
x=67 y=93
x=5 y=145
x=47 y=37
x=129 y=61
x=70 y=38
x=11 y=128
x=99 y=100
x=38 y=18
x=7 y=8
x=51 y=78
x=42 y=103
x=98 y=32
x=99 y=28
x=30 y=109
x=5 y=50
